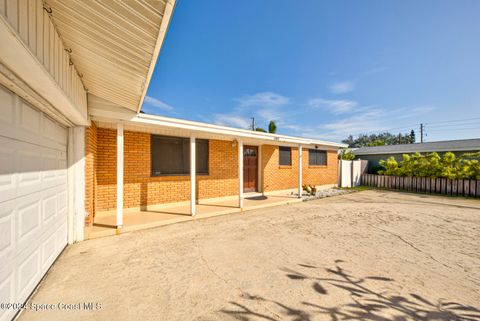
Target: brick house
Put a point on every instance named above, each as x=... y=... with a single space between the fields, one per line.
x=160 y=167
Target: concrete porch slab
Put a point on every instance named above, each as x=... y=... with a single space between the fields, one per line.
x=155 y=216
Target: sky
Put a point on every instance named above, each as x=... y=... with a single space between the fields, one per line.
x=323 y=69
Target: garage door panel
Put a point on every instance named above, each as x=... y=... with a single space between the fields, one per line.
x=28 y=274
x=29 y=168
x=29 y=219
x=7 y=227
x=33 y=197
x=20 y=121
x=49 y=251
x=7 y=290
x=29 y=119
x=35 y=215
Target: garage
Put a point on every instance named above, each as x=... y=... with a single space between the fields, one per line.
x=33 y=197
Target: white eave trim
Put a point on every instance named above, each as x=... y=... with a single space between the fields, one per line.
x=167 y=16
x=101 y=110
x=228 y=131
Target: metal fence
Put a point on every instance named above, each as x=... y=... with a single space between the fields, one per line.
x=457 y=187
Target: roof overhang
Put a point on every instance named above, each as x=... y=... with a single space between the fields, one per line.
x=113 y=44
x=108 y=116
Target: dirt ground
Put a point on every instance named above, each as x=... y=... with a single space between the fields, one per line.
x=371 y=255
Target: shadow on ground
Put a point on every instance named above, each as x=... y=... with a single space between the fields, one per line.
x=367 y=304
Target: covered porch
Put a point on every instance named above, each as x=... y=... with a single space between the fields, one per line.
x=149 y=175
x=158 y=215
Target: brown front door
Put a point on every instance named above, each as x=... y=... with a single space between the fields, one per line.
x=250 y=169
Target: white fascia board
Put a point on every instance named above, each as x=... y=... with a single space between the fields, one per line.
x=167 y=17
x=228 y=131
x=15 y=55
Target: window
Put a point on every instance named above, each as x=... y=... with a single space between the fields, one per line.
x=285 y=156
x=171 y=156
x=317 y=157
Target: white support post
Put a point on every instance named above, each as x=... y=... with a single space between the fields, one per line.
x=260 y=169
x=300 y=188
x=240 y=174
x=76 y=184
x=119 y=176
x=192 y=176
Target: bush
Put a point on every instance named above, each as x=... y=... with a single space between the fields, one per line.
x=376 y=169
x=346 y=155
x=467 y=166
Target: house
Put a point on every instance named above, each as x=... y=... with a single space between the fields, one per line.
x=376 y=153
x=73 y=143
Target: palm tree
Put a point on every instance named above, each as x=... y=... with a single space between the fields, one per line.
x=272 y=127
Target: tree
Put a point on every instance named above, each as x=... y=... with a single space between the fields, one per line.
x=260 y=129
x=412 y=137
x=272 y=127
x=385 y=138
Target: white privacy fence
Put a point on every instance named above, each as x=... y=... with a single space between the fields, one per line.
x=350 y=172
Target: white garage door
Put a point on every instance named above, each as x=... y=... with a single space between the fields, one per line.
x=33 y=197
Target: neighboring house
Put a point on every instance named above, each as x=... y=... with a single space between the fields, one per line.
x=376 y=153
x=73 y=77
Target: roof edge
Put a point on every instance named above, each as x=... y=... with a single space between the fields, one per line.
x=164 y=25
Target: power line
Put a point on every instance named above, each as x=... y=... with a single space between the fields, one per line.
x=455 y=125
x=453 y=120
x=453 y=129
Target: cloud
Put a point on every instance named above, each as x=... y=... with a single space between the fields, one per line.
x=232 y=120
x=342 y=87
x=266 y=99
x=333 y=106
x=264 y=106
x=157 y=103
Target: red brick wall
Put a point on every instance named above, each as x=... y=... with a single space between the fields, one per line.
x=276 y=177
x=90 y=172
x=140 y=189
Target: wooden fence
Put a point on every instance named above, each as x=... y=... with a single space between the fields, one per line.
x=460 y=187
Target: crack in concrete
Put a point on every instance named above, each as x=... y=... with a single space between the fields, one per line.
x=412 y=246
x=242 y=292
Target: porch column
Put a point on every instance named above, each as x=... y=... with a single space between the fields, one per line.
x=119 y=175
x=192 y=176
x=300 y=188
x=240 y=174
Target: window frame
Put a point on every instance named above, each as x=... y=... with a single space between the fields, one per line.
x=280 y=156
x=197 y=173
x=310 y=150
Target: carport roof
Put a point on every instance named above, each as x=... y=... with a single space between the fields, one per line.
x=113 y=44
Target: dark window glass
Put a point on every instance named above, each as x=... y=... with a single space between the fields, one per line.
x=285 y=157
x=171 y=155
x=317 y=157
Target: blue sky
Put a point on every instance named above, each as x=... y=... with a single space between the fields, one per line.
x=323 y=69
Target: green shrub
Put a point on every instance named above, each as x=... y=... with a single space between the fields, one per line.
x=467 y=166
x=346 y=155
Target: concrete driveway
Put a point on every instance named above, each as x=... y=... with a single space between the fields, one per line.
x=370 y=255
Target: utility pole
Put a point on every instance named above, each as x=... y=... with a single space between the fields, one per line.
x=253 y=123
x=422 y=127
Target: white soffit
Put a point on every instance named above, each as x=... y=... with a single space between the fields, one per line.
x=114 y=44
